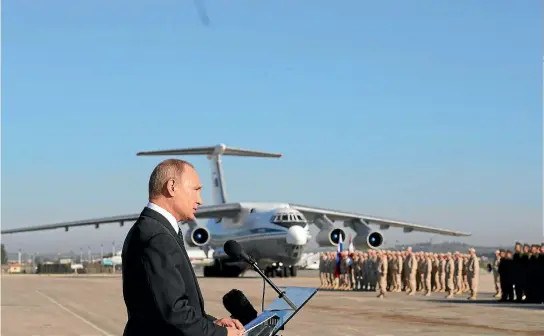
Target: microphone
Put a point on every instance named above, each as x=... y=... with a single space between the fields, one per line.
x=234 y=250
x=237 y=304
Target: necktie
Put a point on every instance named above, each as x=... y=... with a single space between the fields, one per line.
x=180 y=236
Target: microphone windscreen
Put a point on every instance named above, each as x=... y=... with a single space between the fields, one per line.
x=237 y=304
x=233 y=249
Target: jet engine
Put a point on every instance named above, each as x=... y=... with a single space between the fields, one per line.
x=368 y=239
x=197 y=237
x=326 y=238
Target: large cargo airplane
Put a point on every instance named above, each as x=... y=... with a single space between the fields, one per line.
x=275 y=234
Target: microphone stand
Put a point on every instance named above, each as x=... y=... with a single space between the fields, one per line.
x=281 y=294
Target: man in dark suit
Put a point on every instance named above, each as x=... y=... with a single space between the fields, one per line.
x=160 y=288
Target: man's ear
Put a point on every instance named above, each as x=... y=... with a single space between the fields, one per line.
x=171 y=187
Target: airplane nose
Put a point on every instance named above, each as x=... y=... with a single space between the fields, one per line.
x=296 y=235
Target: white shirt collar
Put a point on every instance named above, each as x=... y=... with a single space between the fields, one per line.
x=166 y=214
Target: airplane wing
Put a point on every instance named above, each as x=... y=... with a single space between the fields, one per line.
x=217 y=211
x=212 y=211
x=311 y=213
x=66 y=225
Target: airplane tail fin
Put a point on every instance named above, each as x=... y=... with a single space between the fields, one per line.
x=214 y=154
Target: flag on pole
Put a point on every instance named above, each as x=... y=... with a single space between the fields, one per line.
x=351 y=248
x=339 y=256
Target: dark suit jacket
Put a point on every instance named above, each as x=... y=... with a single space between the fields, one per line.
x=160 y=288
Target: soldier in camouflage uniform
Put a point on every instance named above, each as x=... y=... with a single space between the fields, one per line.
x=323 y=276
x=473 y=274
x=442 y=271
x=499 y=254
x=450 y=275
x=411 y=270
x=366 y=271
x=427 y=273
x=419 y=275
x=465 y=273
x=458 y=279
x=381 y=272
x=357 y=272
x=435 y=283
x=405 y=274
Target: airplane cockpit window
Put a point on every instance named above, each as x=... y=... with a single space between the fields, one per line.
x=288 y=220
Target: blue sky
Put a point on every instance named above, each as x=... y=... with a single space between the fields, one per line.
x=425 y=111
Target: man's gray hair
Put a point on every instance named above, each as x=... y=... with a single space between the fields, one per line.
x=164 y=171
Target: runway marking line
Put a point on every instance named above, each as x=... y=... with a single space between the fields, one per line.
x=89 y=323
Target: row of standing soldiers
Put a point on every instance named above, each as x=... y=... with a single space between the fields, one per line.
x=396 y=271
x=519 y=275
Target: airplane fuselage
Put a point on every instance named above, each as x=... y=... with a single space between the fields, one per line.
x=272 y=233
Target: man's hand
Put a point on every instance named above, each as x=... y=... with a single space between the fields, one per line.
x=230 y=323
x=234 y=332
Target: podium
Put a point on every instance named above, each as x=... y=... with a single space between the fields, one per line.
x=276 y=315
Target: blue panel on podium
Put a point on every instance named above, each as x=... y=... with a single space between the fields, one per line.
x=278 y=313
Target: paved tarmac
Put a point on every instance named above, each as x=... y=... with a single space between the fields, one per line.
x=93 y=305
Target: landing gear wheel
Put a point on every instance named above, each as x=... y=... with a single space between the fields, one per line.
x=293 y=271
x=218 y=269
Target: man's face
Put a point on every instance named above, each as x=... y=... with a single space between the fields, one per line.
x=186 y=194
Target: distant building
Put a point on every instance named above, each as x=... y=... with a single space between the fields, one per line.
x=14 y=268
